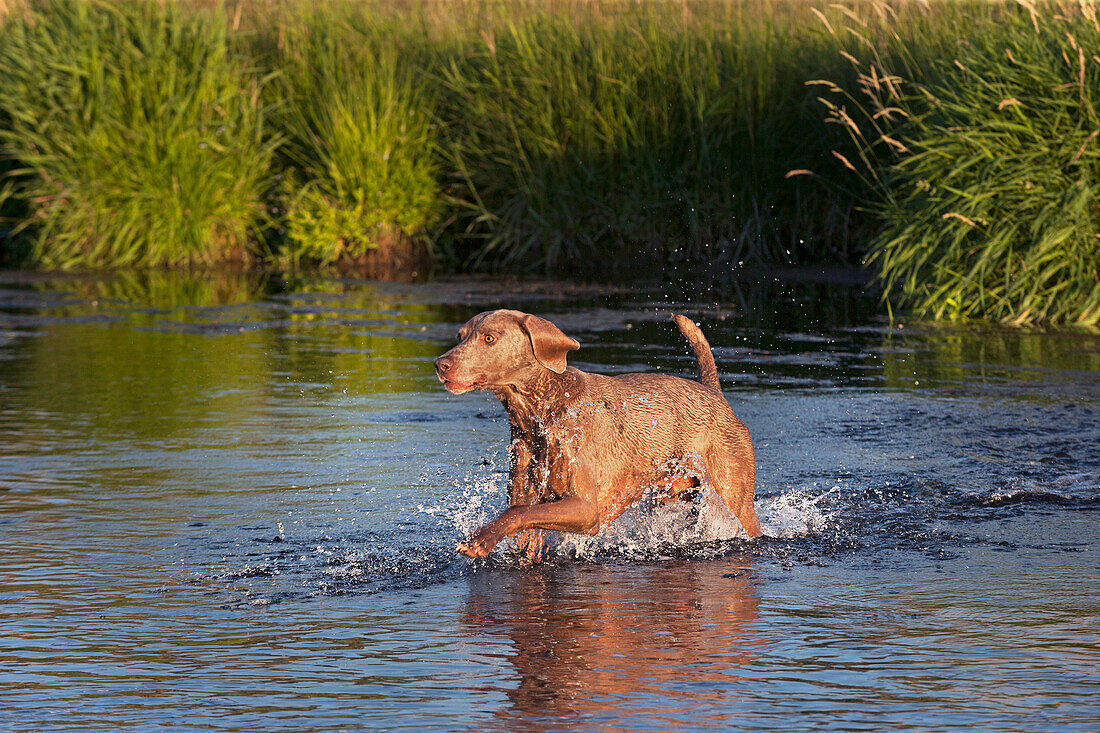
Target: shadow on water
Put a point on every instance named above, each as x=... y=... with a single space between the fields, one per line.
x=267 y=467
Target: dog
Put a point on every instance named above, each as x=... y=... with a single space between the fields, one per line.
x=584 y=447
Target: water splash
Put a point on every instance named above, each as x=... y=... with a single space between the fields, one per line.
x=479 y=502
x=802 y=512
x=807 y=524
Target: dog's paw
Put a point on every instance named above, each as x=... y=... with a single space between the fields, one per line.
x=480 y=545
x=485 y=539
x=470 y=549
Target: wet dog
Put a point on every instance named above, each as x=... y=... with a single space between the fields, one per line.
x=586 y=446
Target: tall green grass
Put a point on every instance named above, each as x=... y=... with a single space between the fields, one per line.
x=951 y=143
x=129 y=135
x=356 y=115
x=606 y=141
x=983 y=165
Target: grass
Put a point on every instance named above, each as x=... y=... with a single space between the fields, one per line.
x=129 y=135
x=358 y=163
x=982 y=165
x=645 y=136
x=950 y=144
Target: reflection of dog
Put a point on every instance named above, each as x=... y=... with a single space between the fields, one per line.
x=586 y=446
x=661 y=643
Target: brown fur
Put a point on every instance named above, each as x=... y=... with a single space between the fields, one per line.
x=586 y=446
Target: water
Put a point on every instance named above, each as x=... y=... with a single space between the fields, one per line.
x=232 y=503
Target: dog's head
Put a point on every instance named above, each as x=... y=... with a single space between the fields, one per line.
x=502 y=348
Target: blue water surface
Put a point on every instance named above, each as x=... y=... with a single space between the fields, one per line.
x=230 y=502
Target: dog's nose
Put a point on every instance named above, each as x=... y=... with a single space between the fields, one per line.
x=443 y=365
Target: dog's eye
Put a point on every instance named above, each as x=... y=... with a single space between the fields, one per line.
x=490 y=338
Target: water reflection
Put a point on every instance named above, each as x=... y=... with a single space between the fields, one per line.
x=606 y=643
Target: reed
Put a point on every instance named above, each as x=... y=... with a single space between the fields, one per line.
x=950 y=144
x=130 y=135
x=608 y=141
x=982 y=165
x=356 y=114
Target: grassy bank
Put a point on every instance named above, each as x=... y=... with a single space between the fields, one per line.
x=981 y=164
x=584 y=138
x=129 y=135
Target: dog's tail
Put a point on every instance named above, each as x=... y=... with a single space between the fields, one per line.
x=708 y=371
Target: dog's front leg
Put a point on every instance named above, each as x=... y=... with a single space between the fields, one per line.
x=576 y=511
x=523 y=489
x=571 y=514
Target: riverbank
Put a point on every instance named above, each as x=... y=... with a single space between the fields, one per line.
x=949 y=147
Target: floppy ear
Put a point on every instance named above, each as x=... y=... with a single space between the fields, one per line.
x=548 y=342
